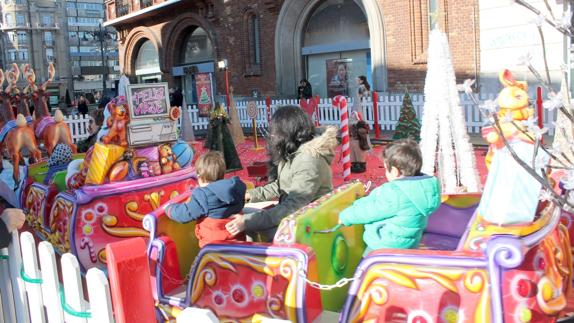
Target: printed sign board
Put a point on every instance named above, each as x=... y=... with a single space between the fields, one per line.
x=204 y=88
x=150 y=122
x=148 y=100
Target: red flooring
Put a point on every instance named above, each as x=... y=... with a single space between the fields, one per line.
x=375 y=169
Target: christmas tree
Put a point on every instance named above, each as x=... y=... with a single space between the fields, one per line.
x=408 y=125
x=445 y=144
x=204 y=98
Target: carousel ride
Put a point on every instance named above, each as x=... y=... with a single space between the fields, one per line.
x=466 y=269
x=81 y=202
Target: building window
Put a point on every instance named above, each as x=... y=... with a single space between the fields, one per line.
x=146 y=3
x=20 y=1
x=12 y=36
x=47 y=20
x=48 y=38
x=22 y=37
x=424 y=16
x=196 y=48
x=71 y=5
x=20 y=20
x=433 y=14
x=9 y=19
x=254 y=40
x=89 y=6
x=72 y=21
x=252 y=47
x=122 y=8
x=50 y=54
x=13 y=54
x=89 y=49
x=23 y=54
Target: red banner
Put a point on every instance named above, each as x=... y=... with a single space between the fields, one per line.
x=204 y=88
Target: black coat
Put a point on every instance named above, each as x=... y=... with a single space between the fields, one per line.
x=4 y=235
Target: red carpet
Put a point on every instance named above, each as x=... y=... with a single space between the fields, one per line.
x=375 y=169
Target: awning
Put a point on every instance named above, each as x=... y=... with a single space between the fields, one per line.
x=134 y=15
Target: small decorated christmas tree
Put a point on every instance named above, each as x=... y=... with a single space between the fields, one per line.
x=204 y=98
x=408 y=125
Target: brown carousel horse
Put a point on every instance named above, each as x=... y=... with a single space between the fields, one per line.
x=51 y=131
x=15 y=134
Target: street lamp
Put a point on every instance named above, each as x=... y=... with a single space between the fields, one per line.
x=102 y=36
x=222 y=66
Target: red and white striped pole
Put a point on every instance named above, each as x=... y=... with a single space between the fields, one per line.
x=341 y=102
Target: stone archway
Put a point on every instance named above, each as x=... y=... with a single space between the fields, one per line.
x=133 y=41
x=291 y=23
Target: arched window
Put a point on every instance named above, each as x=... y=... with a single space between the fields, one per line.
x=197 y=48
x=147 y=62
x=424 y=17
x=336 y=48
x=252 y=48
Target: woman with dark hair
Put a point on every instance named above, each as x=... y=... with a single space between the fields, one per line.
x=304 y=89
x=303 y=171
x=363 y=92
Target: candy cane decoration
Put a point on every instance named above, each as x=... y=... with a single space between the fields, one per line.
x=86 y=242
x=341 y=102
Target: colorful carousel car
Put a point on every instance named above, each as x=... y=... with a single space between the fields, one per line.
x=466 y=270
x=82 y=202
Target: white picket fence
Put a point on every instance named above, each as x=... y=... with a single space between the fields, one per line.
x=389 y=107
x=29 y=293
x=32 y=293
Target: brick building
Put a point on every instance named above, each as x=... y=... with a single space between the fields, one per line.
x=271 y=44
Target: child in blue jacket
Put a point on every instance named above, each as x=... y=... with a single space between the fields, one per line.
x=213 y=202
x=395 y=214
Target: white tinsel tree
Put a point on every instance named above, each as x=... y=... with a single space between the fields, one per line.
x=445 y=144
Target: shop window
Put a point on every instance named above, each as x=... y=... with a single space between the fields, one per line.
x=196 y=48
x=336 y=48
x=252 y=48
x=424 y=17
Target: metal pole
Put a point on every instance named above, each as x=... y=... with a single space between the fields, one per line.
x=227 y=88
x=104 y=70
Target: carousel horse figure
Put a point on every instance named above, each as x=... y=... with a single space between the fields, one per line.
x=15 y=134
x=50 y=130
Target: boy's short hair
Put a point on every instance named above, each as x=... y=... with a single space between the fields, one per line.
x=210 y=167
x=405 y=155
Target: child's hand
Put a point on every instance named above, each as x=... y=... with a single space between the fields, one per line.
x=13 y=218
x=340 y=222
x=247 y=197
x=237 y=225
